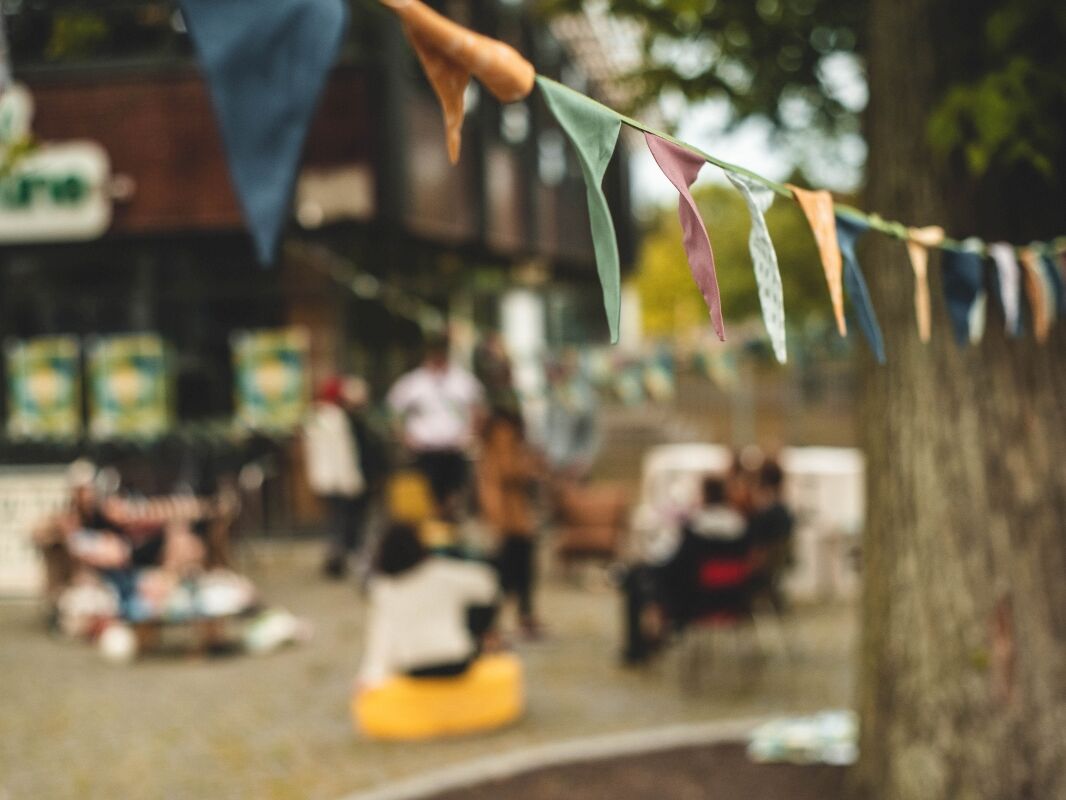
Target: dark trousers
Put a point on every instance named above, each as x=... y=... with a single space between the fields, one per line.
x=641 y=590
x=515 y=565
x=446 y=471
x=347 y=521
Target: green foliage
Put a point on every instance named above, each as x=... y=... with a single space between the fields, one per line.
x=1011 y=113
x=761 y=55
x=1004 y=83
x=670 y=300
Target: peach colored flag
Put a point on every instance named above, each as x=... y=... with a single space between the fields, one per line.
x=919 y=240
x=818 y=208
x=450 y=54
x=1036 y=291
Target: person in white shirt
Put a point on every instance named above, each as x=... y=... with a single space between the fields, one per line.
x=331 y=451
x=420 y=611
x=438 y=407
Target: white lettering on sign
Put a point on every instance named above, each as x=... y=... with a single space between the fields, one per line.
x=57 y=192
x=50 y=192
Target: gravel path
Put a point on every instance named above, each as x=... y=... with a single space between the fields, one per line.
x=171 y=726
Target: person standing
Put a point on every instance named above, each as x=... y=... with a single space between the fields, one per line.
x=493 y=367
x=770 y=530
x=506 y=470
x=335 y=474
x=438 y=406
x=571 y=437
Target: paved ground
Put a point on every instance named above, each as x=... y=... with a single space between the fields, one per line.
x=278 y=726
x=717 y=772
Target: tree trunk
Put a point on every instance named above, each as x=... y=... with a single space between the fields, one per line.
x=963 y=662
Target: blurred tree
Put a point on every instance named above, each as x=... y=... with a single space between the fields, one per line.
x=670 y=301
x=963 y=679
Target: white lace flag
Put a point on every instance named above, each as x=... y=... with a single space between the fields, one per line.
x=767 y=274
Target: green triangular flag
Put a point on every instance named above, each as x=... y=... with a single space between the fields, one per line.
x=593 y=129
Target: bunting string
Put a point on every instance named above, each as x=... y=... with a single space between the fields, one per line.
x=451 y=55
x=1030 y=279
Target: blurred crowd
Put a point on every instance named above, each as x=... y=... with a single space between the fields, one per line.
x=435 y=497
x=447 y=491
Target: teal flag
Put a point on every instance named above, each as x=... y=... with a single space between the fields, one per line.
x=266 y=62
x=593 y=129
x=849 y=231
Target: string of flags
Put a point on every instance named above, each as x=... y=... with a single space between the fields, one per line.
x=265 y=96
x=593 y=130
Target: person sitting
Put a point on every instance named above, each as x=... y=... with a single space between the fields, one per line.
x=420 y=621
x=770 y=531
x=676 y=590
x=707 y=572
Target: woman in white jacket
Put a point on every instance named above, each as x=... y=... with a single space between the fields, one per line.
x=331 y=451
x=420 y=617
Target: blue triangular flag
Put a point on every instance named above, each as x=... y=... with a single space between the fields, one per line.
x=266 y=62
x=1055 y=279
x=849 y=231
x=963 y=283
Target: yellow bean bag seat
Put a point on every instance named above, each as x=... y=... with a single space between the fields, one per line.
x=489 y=695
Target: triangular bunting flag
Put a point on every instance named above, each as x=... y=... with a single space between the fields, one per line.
x=963 y=277
x=1037 y=290
x=1056 y=282
x=265 y=64
x=848 y=233
x=818 y=208
x=593 y=129
x=919 y=240
x=978 y=316
x=759 y=198
x=1009 y=279
x=450 y=54
x=449 y=82
x=681 y=167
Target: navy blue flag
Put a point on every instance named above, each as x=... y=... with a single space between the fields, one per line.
x=849 y=231
x=963 y=282
x=1055 y=279
x=266 y=62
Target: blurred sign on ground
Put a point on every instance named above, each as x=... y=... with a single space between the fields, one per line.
x=27 y=495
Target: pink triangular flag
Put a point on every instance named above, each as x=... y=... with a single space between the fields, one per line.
x=681 y=167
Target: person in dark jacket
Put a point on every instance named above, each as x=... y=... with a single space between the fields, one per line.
x=684 y=587
x=770 y=531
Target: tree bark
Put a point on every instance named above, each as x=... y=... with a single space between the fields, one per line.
x=963 y=659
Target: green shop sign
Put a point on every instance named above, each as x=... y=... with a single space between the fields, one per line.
x=51 y=191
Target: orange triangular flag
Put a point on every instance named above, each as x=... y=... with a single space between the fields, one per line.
x=450 y=54
x=919 y=240
x=449 y=81
x=818 y=208
x=1035 y=290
